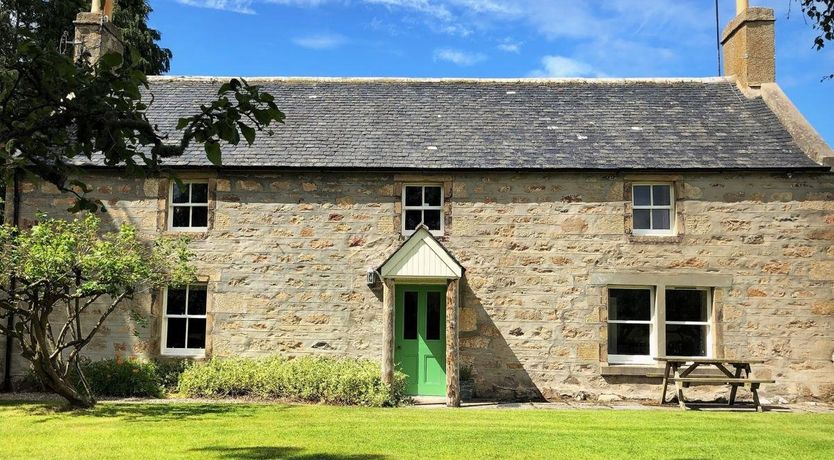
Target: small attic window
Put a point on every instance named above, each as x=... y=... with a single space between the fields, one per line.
x=422 y=205
x=653 y=209
x=188 y=206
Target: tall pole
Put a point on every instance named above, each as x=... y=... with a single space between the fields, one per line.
x=718 y=37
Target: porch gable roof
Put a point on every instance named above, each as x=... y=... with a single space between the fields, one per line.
x=421 y=256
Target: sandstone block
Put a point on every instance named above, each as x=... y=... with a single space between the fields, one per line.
x=822 y=271
x=151 y=188
x=249 y=185
x=223 y=185
x=588 y=352
x=825 y=307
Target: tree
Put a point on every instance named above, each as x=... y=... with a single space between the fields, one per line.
x=821 y=14
x=67 y=273
x=56 y=112
x=53 y=21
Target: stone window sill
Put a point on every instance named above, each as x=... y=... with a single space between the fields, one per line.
x=647 y=371
x=655 y=239
x=199 y=235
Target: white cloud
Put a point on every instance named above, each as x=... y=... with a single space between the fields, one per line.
x=510 y=46
x=236 y=6
x=299 y=3
x=429 y=7
x=320 y=41
x=563 y=67
x=458 y=57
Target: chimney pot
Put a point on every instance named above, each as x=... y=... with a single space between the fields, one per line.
x=741 y=6
x=108 y=8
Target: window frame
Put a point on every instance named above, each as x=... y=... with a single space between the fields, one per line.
x=423 y=207
x=657 y=329
x=172 y=205
x=182 y=352
x=652 y=322
x=708 y=323
x=673 y=221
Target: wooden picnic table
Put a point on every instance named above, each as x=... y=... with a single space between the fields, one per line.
x=740 y=376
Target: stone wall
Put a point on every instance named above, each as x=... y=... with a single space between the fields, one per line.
x=287 y=253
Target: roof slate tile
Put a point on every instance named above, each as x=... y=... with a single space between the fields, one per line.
x=482 y=124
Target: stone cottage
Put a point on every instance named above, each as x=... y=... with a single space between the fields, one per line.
x=550 y=236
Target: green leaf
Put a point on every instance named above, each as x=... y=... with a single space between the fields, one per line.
x=213 y=152
x=111 y=60
x=248 y=132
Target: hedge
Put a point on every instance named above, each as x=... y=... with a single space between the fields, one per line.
x=122 y=378
x=310 y=379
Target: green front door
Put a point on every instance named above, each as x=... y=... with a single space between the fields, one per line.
x=420 y=337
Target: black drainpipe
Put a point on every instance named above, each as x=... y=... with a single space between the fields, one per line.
x=7 y=372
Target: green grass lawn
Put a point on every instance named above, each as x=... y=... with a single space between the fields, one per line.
x=254 y=431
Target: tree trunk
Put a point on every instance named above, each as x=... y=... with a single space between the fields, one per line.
x=62 y=386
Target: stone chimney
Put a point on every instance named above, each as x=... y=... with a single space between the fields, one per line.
x=96 y=34
x=749 y=42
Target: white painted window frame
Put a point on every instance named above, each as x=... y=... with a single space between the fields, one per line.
x=423 y=207
x=182 y=352
x=652 y=322
x=657 y=329
x=172 y=205
x=672 y=230
x=708 y=323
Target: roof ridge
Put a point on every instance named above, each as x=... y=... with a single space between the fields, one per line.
x=520 y=80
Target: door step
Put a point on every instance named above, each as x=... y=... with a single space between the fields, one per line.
x=428 y=400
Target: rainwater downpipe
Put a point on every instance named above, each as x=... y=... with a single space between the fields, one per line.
x=7 y=371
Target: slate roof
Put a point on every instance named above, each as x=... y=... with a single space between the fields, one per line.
x=499 y=124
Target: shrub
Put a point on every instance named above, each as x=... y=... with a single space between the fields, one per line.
x=168 y=372
x=311 y=379
x=122 y=378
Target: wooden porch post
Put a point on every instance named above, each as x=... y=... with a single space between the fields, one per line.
x=452 y=368
x=388 y=331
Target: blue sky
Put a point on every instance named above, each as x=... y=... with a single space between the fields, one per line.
x=481 y=38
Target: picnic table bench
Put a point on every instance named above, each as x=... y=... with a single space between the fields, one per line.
x=740 y=376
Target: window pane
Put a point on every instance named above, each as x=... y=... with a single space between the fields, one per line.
x=199 y=216
x=414 y=196
x=642 y=195
x=686 y=340
x=180 y=216
x=431 y=217
x=628 y=339
x=413 y=219
x=199 y=193
x=630 y=304
x=197 y=300
x=433 y=316
x=660 y=219
x=410 y=316
x=686 y=305
x=432 y=196
x=176 y=301
x=642 y=219
x=196 y=333
x=180 y=194
x=661 y=195
x=176 y=333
